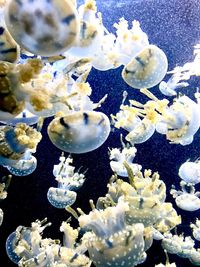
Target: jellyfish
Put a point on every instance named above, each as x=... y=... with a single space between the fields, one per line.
x=79 y=132
x=13 y=82
x=178 y=244
x=68 y=182
x=180 y=121
x=129 y=42
x=15 y=141
x=186 y=198
x=169 y=88
x=24 y=166
x=26 y=247
x=91 y=31
x=5 y=182
x=118 y=157
x=110 y=241
x=190 y=172
x=146 y=69
x=47 y=29
x=24 y=117
x=196 y=229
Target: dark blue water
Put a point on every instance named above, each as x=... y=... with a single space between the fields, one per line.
x=174 y=26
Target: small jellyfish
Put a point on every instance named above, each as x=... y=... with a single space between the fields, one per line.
x=118 y=157
x=146 y=69
x=1 y=217
x=169 y=88
x=186 y=199
x=46 y=29
x=15 y=141
x=24 y=166
x=68 y=182
x=196 y=229
x=79 y=132
x=190 y=172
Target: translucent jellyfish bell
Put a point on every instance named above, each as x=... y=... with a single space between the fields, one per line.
x=190 y=172
x=79 y=132
x=45 y=28
x=146 y=69
x=10 y=247
x=61 y=198
x=1 y=216
x=24 y=166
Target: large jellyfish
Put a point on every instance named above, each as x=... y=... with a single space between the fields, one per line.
x=146 y=69
x=79 y=132
x=68 y=182
x=111 y=242
x=46 y=28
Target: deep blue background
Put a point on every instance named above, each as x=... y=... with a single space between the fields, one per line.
x=173 y=25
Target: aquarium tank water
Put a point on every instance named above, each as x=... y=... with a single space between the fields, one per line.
x=99 y=133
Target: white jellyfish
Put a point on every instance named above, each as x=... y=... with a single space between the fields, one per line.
x=169 y=88
x=186 y=199
x=118 y=157
x=91 y=31
x=79 y=132
x=190 y=172
x=146 y=69
x=129 y=42
x=68 y=181
x=196 y=229
x=46 y=29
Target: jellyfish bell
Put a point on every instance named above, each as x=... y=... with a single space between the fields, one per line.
x=1 y=216
x=188 y=202
x=79 y=132
x=61 y=198
x=46 y=28
x=24 y=166
x=10 y=247
x=146 y=69
x=190 y=172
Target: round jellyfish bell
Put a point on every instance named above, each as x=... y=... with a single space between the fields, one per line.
x=24 y=166
x=60 y=197
x=79 y=132
x=188 y=202
x=146 y=69
x=10 y=247
x=1 y=216
x=190 y=172
x=46 y=28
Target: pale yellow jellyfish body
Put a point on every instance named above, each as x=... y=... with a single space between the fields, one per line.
x=79 y=132
x=46 y=28
x=146 y=69
x=111 y=242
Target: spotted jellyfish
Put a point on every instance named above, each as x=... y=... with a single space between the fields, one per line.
x=129 y=42
x=190 y=172
x=91 y=31
x=118 y=157
x=186 y=198
x=46 y=29
x=68 y=181
x=108 y=240
x=79 y=132
x=146 y=69
x=180 y=121
x=15 y=141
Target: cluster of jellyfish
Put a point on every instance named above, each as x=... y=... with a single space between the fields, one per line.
x=37 y=83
